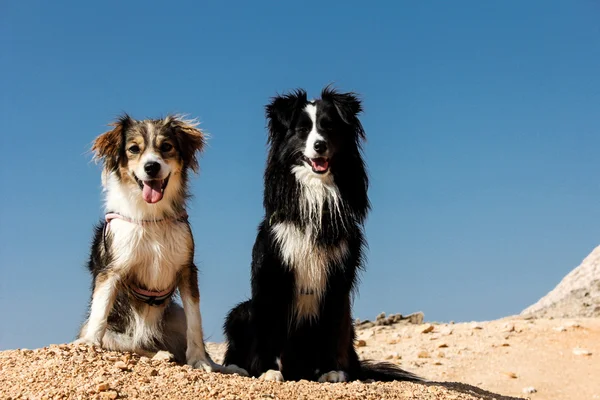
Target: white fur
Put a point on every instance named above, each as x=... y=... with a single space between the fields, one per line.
x=317 y=191
x=313 y=135
x=334 y=376
x=310 y=263
x=272 y=375
x=102 y=301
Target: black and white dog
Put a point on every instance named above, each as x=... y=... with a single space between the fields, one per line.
x=143 y=253
x=309 y=248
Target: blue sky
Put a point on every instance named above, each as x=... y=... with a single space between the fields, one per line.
x=483 y=135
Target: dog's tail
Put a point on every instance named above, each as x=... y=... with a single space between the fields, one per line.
x=386 y=372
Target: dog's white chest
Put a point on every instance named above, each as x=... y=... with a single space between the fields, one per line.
x=310 y=263
x=152 y=253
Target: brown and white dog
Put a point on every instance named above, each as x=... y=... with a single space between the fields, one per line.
x=143 y=252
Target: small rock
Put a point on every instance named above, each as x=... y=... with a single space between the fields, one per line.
x=163 y=356
x=559 y=329
x=437 y=363
x=505 y=345
x=110 y=395
x=121 y=365
x=101 y=387
x=380 y=316
x=509 y=328
x=529 y=389
x=392 y=341
x=442 y=345
x=389 y=357
x=447 y=331
x=153 y=372
x=581 y=352
x=428 y=328
x=511 y=375
x=415 y=318
x=361 y=343
x=476 y=326
x=423 y=354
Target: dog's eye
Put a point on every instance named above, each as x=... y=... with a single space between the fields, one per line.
x=134 y=149
x=166 y=147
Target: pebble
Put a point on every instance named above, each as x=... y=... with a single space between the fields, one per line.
x=428 y=328
x=442 y=345
x=361 y=343
x=511 y=375
x=153 y=372
x=529 y=389
x=509 y=328
x=101 y=387
x=559 y=329
x=110 y=395
x=423 y=354
x=121 y=365
x=447 y=331
x=162 y=356
x=581 y=352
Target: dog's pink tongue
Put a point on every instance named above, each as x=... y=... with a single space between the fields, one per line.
x=320 y=164
x=152 y=192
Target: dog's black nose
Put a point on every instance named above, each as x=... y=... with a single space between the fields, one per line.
x=152 y=168
x=320 y=146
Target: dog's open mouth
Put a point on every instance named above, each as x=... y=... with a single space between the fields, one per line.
x=319 y=165
x=152 y=191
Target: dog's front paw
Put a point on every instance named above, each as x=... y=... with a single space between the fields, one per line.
x=163 y=355
x=334 y=376
x=87 y=342
x=234 y=369
x=200 y=360
x=272 y=375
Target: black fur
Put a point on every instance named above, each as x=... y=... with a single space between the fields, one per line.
x=264 y=328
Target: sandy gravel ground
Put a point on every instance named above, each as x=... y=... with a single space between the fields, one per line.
x=537 y=359
x=81 y=372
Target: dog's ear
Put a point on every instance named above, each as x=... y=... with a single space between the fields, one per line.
x=282 y=110
x=190 y=139
x=108 y=147
x=348 y=106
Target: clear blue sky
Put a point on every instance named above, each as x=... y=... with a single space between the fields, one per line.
x=483 y=137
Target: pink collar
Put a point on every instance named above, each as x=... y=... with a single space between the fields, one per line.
x=112 y=215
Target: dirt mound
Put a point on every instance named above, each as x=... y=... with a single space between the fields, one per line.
x=81 y=372
x=577 y=295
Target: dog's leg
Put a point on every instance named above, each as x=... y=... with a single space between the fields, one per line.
x=338 y=360
x=105 y=291
x=195 y=355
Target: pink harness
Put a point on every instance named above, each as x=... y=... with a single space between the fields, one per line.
x=111 y=215
x=153 y=298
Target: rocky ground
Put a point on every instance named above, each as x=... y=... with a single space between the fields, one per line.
x=576 y=295
x=550 y=352
x=81 y=372
x=540 y=359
